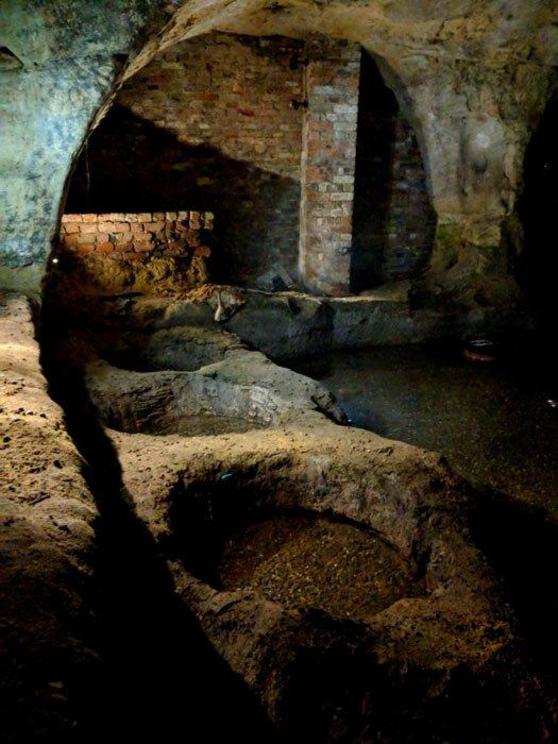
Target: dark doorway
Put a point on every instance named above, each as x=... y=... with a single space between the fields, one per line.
x=393 y=219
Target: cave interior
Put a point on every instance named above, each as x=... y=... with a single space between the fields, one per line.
x=278 y=396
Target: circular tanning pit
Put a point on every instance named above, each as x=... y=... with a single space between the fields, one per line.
x=235 y=539
x=179 y=403
x=183 y=348
x=201 y=425
x=306 y=560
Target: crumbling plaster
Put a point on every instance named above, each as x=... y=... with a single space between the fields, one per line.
x=473 y=78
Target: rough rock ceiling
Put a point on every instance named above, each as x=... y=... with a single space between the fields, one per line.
x=487 y=30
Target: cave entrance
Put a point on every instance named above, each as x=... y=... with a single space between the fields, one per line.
x=538 y=265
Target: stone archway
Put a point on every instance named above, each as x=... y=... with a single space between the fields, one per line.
x=71 y=71
x=265 y=133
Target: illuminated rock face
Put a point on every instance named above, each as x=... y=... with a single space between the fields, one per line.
x=315 y=556
x=47 y=518
x=471 y=79
x=70 y=54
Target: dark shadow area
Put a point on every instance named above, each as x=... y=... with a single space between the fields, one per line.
x=160 y=680
x=9 y=60
x=373 y=176
x=537 y=268
x=393 y=220
x=496 y=423
x=132 y=165
x=521 y=542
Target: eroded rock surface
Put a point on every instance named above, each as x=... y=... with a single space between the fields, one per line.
x=333 y=574
x=46 y=521
x=193 y=489
x=407 y=663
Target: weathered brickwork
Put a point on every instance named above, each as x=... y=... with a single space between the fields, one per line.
x=234 y=93
x=134 y=236
x=214 y=123
x=328 y=165
x=411 y=219
x=118 y=252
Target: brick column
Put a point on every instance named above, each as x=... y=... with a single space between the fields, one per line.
x=328 y=165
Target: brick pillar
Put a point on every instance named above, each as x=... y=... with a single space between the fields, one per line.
x=328 y=165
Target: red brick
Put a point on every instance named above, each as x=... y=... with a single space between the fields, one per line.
x=87 y=240
x=154 y=227
x=88 y=228
x=106 y=247
x=122 y=237
x=70 y=241
x=70 y=228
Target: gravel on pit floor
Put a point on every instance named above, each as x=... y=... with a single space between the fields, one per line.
x=302 y=561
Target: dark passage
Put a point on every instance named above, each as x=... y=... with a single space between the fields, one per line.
x=393 y=219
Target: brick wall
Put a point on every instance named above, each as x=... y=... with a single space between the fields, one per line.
x=411 y=217
x=219 y=123
x=212 y=124
x=119 y=251
x=328 y=165
x=134 y=236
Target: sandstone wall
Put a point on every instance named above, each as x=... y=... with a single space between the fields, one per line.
x=47 y=549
